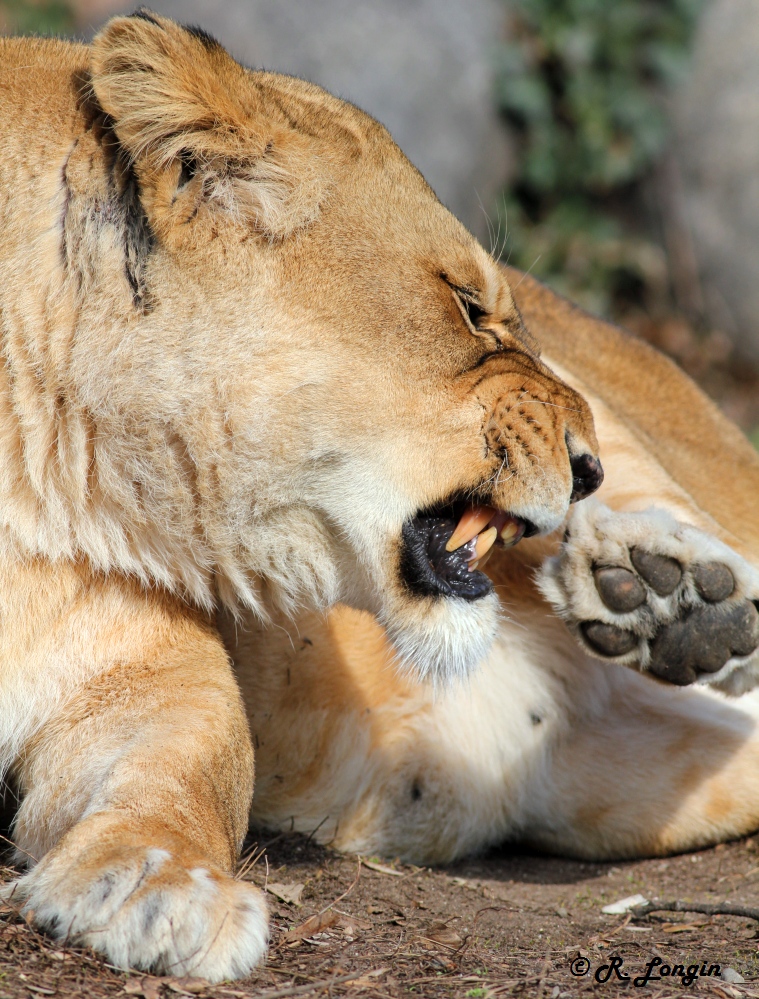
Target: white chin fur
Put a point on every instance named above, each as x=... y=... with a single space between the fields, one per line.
x=443 y=639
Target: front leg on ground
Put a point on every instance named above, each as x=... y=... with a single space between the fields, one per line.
x=661 y=596
x=136 y=858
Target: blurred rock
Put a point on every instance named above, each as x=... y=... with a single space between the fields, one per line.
x=422 y=67
x=717 y=117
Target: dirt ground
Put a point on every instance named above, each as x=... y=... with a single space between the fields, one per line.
x=507 y=924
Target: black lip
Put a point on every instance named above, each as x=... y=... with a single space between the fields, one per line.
x=427 y=569
x=424 y=540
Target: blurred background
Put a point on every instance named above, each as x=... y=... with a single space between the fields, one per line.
x=610 y=148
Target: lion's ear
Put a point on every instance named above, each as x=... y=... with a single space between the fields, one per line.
x=183 y=109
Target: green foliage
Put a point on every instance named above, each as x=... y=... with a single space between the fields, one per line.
x=42 y=17
x=582 y=82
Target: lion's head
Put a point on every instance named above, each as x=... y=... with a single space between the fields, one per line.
x=335 y=367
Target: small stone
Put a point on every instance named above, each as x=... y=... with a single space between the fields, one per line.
x=624 y=905
x=561 y=911
x=732 y=976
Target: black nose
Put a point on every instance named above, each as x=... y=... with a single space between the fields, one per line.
x=587 y=476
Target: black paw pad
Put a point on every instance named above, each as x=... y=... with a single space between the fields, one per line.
x=607 y=639
x=620 y=589
x=714 y=581
x=663 y=574
x=704 y=641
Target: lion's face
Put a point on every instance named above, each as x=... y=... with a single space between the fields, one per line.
x=360 y=381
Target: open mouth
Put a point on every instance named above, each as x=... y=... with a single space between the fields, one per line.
x=445 y=548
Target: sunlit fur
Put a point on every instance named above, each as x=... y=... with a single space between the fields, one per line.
x=235 y=362
x=543 y=744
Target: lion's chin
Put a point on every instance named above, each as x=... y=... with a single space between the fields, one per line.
x=441 y=640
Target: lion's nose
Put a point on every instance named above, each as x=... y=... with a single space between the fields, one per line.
x=587 y=476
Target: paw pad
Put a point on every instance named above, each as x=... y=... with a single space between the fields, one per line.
x=608 y=639
x=647 y=591
x=704 y=641
x=701 y=641
x=619 y=588
x=663 y=574
x=714 y=582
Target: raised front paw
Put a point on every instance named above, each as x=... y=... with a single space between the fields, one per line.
x=650 y=592
x=154 y=906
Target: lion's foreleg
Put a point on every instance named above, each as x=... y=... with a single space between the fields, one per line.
x=136 y=796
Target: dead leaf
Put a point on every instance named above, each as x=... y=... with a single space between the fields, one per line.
x=724 y=991
x=381 y=869
x=448 y=938
x=148 y=987
x=369 y=980
x=314 y=924
x=357 y=921
x=442 y=962
x=443 y=934
x=286 y=893
x=188 y=984
x=348 y=925
x=682 y=927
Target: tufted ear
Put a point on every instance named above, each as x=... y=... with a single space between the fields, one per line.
x=192 y=120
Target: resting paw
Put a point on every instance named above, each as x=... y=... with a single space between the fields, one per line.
x=143 y=907
x=648 y=591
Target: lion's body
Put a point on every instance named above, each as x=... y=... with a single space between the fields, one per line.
x=250 y=364
x=235 y=324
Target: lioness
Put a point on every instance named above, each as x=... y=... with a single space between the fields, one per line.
x=249 y=363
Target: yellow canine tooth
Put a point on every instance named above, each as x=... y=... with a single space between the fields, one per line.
x=470 y=525
x=483 y=549
x=511 y=533
x=485 y=542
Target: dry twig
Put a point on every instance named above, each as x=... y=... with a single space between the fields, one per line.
x=299 y=990
x=708 y=909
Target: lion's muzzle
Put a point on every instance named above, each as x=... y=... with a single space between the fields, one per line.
x=444 y=548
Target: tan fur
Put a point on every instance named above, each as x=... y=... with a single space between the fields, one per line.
x=543 y=744
x=236 y=359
